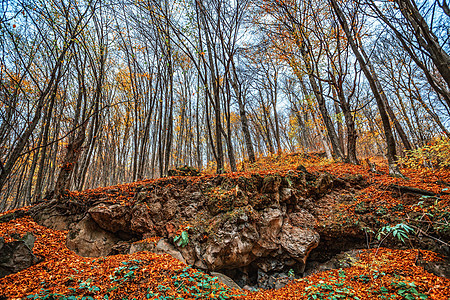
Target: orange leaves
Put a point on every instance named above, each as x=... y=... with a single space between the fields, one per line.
x=63 y=272
x=379 y=272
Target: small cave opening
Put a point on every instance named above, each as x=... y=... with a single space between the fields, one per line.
x=253 y=278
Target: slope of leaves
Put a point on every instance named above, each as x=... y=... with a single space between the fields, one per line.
x=381 y=273
x=62 y=274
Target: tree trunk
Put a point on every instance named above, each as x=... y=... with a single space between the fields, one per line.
x=391 y=114
x=426 y=38
x=74 y=149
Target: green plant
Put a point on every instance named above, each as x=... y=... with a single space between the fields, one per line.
x=46 y=295
x=194 y=284
x=123 y=273
x=362 y=278
x=330 y=289
x=399 y=231
x=182 y=239
x=407 y=290
x=291 y=273
x=87 y=285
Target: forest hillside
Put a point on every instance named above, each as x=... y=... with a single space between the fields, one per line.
x=194 y=149
x=290 y=226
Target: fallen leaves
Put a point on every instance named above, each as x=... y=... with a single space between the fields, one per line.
x=380 y=274
x=62 y=272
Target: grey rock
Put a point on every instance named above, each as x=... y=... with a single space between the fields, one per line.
x=17 y=255
x=342 y=260
x=142 y=246
x=164 y=247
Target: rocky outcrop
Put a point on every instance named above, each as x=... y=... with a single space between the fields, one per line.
x=264 y=223
x=17 y=255
x=267 y=238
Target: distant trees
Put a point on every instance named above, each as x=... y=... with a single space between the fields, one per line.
x=39 y=48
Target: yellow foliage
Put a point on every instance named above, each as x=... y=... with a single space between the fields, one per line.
x=436 y=154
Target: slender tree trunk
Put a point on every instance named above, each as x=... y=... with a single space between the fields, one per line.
x=245 y=130
x=391 y=114
x=340 y=130
x=351 y=129
x=426 y=38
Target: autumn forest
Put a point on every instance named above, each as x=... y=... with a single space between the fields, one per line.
x=160 y=123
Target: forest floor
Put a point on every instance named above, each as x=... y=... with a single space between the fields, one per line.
x=389 y=270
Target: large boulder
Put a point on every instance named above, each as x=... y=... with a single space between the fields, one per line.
x=298 y=241
x=88 y=239
x=17 y=255
x=269 y=229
